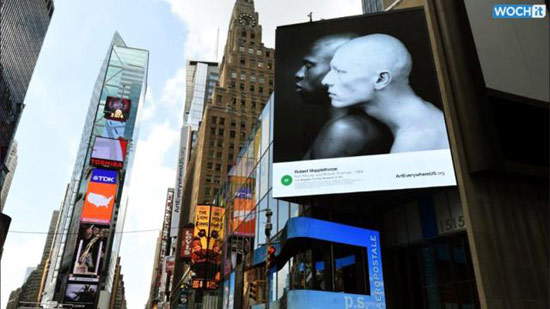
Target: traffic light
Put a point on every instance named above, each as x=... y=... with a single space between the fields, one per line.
x=271 y=250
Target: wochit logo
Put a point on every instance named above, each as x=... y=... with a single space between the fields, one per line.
x=519 y=11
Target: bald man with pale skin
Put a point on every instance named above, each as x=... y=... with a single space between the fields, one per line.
x=346 y=131
x=372 y=73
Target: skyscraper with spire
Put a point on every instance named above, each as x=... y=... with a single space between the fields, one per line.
x=85 y=252
x=231 y=112
x=246 y=81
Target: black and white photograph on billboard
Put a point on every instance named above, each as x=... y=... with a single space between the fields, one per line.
x=358 y=107
x=81 y=295
x=90 y=249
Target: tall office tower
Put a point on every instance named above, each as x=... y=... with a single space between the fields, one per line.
x=11 y=164
x=245 y=83
x=164 y=260
x=23 y=25
x=201 y=80
x=246 y=80
x=29 y=293
x=92 y=215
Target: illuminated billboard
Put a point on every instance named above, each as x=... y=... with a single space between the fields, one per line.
x=100 y=197
x=357 y=107
x=117 y=109
x=206 y=246
x=81 y=295
x=244 y=219
x=91 y=246
x=109 y=152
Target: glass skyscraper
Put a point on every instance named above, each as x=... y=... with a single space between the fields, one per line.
x=112 y=115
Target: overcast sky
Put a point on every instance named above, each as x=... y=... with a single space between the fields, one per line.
x=58 y=97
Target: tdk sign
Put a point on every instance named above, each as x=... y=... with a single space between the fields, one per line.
x=103 y=176
x=519 y=11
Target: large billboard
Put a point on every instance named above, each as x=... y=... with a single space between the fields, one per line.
x=108 y=152
x=244 y=219
x=358 y=108
x=91 y=246
x=100 y=197
x=206 y=246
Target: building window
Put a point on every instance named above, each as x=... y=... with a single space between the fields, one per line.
x=241 y=86
x=243 y=124
x=267 y=54
x=243 y=76
x=252 y=35
x=214 y=119
x=218 y=99
x=243 y=34
x=218 y=167
x=243 y=62
x=233 y=123
x=222 y=120
x=218 y=155
x=261 y=89
x=262 y=80
x=231 y=133
x=220 y=132
x=252 y=88
x=209 y=165
x=241 y=49
x=253 y=78
x=212 y=131
x=232 y=84
x=251 y=51
x=269 y=65
x=259 y=52
x=233 y=75
x=260 y=64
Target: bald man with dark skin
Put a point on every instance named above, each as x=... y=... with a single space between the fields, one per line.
x=348 y=132
x=372 y=73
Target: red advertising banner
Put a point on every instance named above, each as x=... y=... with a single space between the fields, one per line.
x=187 y=240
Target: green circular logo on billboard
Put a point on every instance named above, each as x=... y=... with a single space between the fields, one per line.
x=286 y=180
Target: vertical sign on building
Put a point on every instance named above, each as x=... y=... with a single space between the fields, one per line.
x=206 y=247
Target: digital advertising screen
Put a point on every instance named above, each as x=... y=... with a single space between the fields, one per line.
x=117 y=109
x=81 y=295
x=100 y=197
x=109 y=152
x=90 y=249
x=357 y=107
x=244 y=219
x=206 y=246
